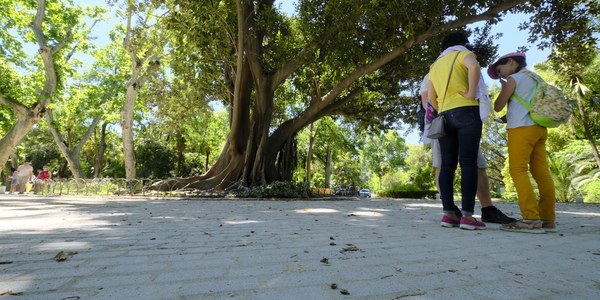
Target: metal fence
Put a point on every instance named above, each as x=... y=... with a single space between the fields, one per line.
x=123 y=187
x=106 y=187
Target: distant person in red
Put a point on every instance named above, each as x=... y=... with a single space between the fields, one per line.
x=44 y=174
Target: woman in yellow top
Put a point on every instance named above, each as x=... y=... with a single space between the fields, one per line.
x=453 y=85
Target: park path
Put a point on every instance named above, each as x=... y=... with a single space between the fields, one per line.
x=132 y=248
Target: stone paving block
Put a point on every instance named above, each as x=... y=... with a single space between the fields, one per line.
x=101 y=281
x=224 y=285
x=197 y=274
x=33 y=284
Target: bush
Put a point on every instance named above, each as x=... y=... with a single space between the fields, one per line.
x=277 y=189
x=411 y=194
x=495 y=194
x=409 y=190
x=510 y=196
x=154 y=160
x=591 y=192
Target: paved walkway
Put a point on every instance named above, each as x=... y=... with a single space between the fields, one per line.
x=240 y=249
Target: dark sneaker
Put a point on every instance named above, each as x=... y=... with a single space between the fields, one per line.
x=491 y=214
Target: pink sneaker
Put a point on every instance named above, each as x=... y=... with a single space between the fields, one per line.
x=449 y=222
x=471 y=225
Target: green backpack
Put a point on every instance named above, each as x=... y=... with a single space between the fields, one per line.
x=549 y=107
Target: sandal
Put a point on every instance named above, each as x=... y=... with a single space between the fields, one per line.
x=549 y=226
x=526 y=226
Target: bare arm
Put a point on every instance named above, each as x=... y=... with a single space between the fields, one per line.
x=424 y=100
x=474 y=74
x=432 y=96
x=508 y=88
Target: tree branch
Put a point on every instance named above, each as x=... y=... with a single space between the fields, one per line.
x=58 y=138
x=18 y=108
x=290 y=66
x=490 y=14
x=88 y=134
x=36 y=25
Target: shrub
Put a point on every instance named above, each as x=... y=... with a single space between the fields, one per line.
x=510 y=196
x=155 y=159
x=277 y=189
x=591 y=192
x=408 y=190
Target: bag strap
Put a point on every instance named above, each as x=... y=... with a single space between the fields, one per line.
x=449 y=76
x=528 y=106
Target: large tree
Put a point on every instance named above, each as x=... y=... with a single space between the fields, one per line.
x=144 y=43
x=58 y=29
x=363 y=44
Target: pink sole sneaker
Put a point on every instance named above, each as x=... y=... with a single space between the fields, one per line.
x=471 y=225
x=449 y=222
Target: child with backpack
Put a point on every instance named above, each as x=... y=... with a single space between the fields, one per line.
x=526 y=145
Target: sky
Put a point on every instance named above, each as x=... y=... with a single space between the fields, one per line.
x=511 y=40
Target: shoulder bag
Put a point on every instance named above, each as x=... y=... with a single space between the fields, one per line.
x=437 y=129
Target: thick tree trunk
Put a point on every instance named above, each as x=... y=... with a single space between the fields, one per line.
x=127 y=128
x=17 y=132
x=141 y=67
x=287 y=161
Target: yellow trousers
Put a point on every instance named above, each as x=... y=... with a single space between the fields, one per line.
x=527 y=152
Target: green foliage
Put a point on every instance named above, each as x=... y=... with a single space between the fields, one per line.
x=39 y=148
x=419 y=167
x=347 y=171
x=155 y=160
x=407 y=190
x=510 y=196
x=591 y=192
x=384 y=152
x=277 y=189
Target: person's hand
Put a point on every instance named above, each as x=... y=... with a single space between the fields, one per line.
x=501 y=119
x=468 y=95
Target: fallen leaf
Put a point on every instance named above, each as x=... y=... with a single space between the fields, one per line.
x=350 y=247
x=62 y=255
x=10 y=293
